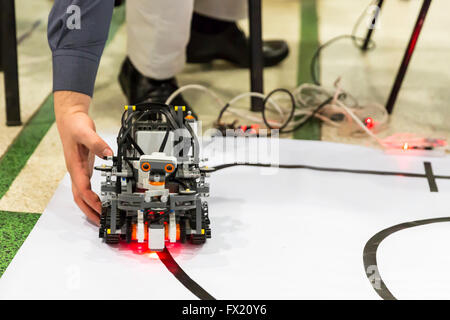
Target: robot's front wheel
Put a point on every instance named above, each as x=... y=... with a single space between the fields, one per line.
x=198 y=238
x=112 y=238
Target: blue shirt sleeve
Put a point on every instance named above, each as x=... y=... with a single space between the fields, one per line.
x=77 y=34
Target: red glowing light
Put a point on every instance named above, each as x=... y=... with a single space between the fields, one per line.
x=405 y=146
x=153 y=255
x=369 y=122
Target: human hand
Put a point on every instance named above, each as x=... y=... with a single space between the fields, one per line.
x=80 y=143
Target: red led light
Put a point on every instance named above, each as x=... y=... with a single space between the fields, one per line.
x=405 y=146
x=369 y=123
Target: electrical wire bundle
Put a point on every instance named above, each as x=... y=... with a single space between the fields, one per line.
x=303 y=103
x=333 y=106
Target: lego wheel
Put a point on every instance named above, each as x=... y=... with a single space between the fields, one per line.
x=183 y=235
x=129 y=229
x=112 y=238
x=208 y=233
x=198 y=239
x=101 y=231
x=105 y=221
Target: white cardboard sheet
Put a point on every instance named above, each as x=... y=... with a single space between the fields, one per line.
x=290 y=234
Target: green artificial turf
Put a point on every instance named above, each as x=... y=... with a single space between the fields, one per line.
x=309 y=42
x=14 y=229
x=26 y=142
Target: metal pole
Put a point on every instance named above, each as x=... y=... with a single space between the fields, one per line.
x=256 y=52
x=9 y=62
x=408 y=55
x=372 y=27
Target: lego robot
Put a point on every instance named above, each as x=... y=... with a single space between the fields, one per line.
x=154 y=191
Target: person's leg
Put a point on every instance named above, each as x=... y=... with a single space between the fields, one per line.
x=215 y=35
x=228 y=10
x=158 y=32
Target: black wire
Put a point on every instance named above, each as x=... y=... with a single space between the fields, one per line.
x=130 y=126
x=179 y=182
x=263 y=111
x=291 y=115
x=135 y=145
x=195 y=144
x=323 y=104
x=314 y=61
x=164 y=142
x=314 y=71
x=129 y=163
x=222 y=111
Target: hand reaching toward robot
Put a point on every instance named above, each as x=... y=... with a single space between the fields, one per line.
x=81 y=144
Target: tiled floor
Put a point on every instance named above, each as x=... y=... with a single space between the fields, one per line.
x=422 y=107
x=35 y=74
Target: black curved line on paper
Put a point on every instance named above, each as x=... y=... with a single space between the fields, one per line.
x=429 y=175
x=370 y=254
x=171 y=265
x=370 y=262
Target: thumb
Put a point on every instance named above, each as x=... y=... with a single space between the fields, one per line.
x=91 y=140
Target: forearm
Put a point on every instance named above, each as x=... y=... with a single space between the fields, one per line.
x=69 y=102
x=77 y=33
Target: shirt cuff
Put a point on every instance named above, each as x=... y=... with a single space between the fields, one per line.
x=74 y=70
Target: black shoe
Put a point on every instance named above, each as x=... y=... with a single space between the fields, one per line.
x=216 y=39
x=138 y=88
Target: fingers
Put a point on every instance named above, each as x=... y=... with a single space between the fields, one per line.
x=80 y=143
x=93 y=201
x=92 y=215
x=89 y=138
x=81 y=186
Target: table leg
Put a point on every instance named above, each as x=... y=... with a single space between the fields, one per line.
x=256 y=52
x=9 y=62
x=407 y=57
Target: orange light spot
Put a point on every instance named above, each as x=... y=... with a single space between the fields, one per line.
x=157 y=183
x=145 y=166
x=167 y=232
x=169 y=168
x=134 y=232
x=405 y=146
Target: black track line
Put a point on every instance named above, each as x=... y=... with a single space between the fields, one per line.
x=370 y=254
x=171 y=265
x=431 y=178
x=369 y=250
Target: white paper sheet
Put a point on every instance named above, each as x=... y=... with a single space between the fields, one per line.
x=294 y=234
